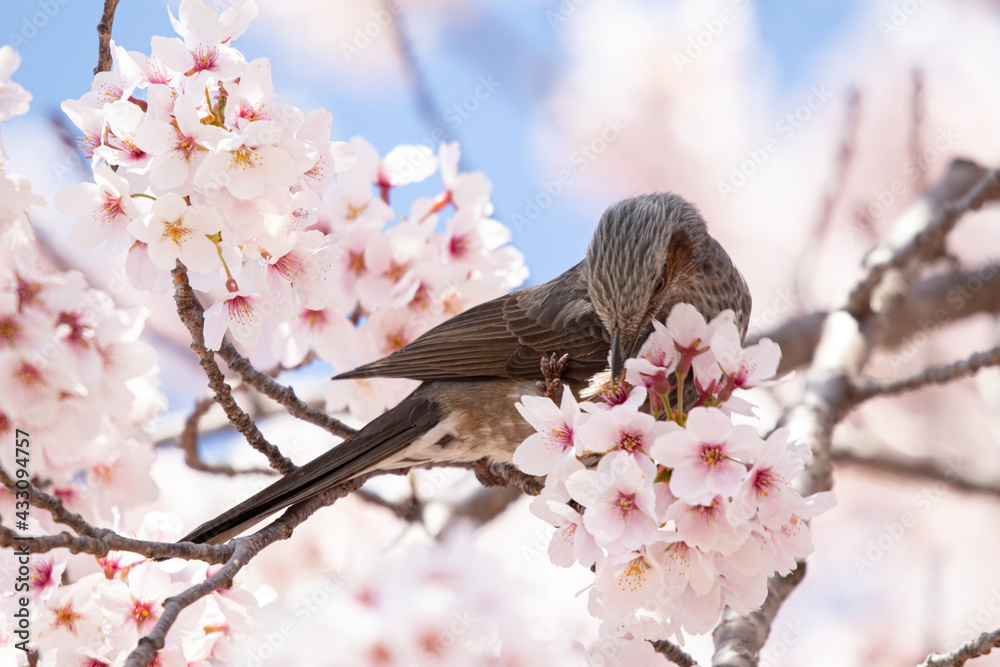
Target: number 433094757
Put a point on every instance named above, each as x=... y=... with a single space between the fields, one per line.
x=22 y=494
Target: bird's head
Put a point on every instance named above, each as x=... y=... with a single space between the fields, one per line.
x=644 y=253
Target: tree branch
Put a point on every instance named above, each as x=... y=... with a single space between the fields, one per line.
x=869 y=388
x=243 y=550
x=188 y=442
x=104 y=36
x=282 y=394
x=192 y=316
x=846 y=341
x=920 y=238
x=674 y=653
x=933 y=302
x=973 y=648
x=738 y=639
x=914 y=468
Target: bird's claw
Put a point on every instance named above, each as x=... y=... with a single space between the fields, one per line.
x=552 y=370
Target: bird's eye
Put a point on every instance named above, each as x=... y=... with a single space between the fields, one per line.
x=659 y=285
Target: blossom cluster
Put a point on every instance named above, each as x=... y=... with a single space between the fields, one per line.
x=73 y=374
x=684 y=512
x=98 y=618
x=441 y=603
x=194 y=159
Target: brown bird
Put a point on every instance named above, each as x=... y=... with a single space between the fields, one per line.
x=648 y=254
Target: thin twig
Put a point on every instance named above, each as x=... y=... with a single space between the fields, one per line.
x=845 y=157
x=282 y=394
x=674 y=653
x=973 y=648
x=188 y=442
x=426 y=104
x=932 y=375
x=243 y=550
x=104 y=36
x=410 y=510
x=915 y=468
x=917 y=113
x=192 y=316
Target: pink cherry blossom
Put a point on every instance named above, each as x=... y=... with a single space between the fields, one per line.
x=245 y=164
x=242 y=314
x=177 y=147
x=619 y=499
x=103 y=210
x=622 y=428
x=706 y=527
x=708 y=456
x=766 y=492
x=656 y=361
x=541 y=452
x=14 y=99
x=173 y=230
x=625 y=582
x=571 y=543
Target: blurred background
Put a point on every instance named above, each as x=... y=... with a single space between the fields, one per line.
x=800 y=129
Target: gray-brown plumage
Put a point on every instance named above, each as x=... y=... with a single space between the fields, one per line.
x=647 y=254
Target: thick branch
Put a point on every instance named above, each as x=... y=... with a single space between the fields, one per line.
x=104 y=36
x=973 y=648
x=738 y=639
x=918 y=237
x=933 y=302
x=192 y=316
x=846 y=341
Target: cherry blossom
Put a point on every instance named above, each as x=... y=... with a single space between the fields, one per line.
x=103 y=210
x=619 y=500
x=707 y=455
x=173 y=231
x=622 y=428
x=14 y=99
x=555 y=439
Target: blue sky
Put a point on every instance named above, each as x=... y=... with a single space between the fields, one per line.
x=512 y=41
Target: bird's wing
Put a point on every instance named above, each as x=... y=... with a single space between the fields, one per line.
x=505 y=338
x=385 y=436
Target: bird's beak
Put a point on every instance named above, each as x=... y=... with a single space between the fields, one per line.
x=617 y=355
